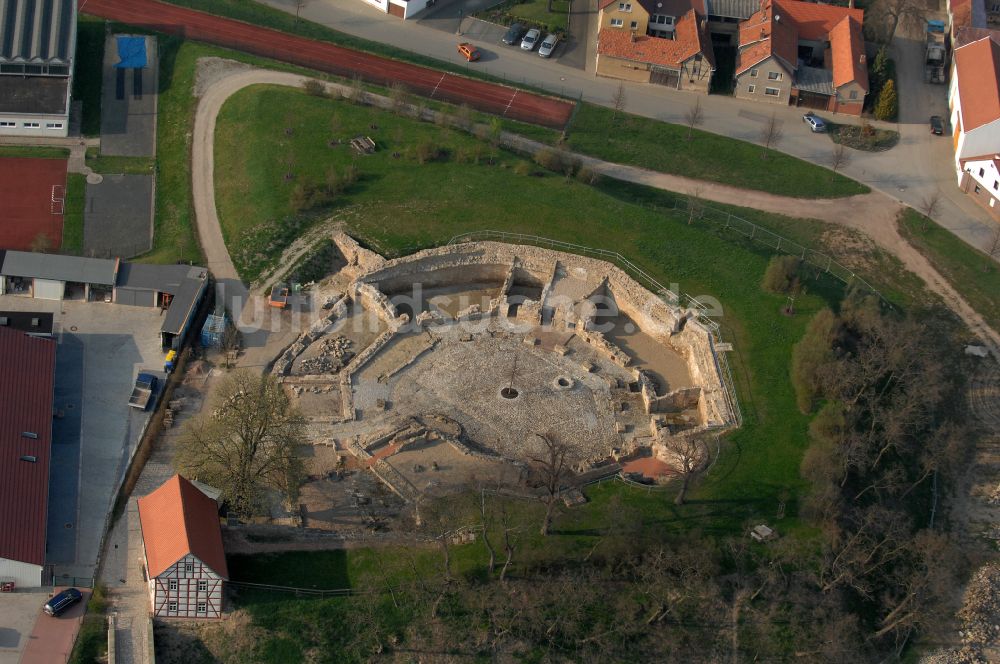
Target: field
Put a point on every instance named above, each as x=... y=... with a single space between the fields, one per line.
x=534 y=13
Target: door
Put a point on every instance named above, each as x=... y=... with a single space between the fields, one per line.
x=48 y=289
x=668 y=77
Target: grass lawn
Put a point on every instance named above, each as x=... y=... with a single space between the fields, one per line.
x=92 y=640
x=120 y=165
x=35 y=152
x=87 y=73
x=639 y=141
x=76 y=192
x=970 y=271
x=533 y=13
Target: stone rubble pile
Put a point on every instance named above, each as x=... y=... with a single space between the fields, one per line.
x=334 y=353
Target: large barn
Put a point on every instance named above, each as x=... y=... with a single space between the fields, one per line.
x=37 y=49
x=27 y=380
x=184 y=559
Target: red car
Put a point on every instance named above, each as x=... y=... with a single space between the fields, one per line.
x=469 y=52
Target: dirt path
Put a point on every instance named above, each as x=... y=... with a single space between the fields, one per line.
x=873 y=214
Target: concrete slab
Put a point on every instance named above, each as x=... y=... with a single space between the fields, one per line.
x=118 y=218
x=102 y=347
x=51 y=640
x=18 y=612
x=128 y=104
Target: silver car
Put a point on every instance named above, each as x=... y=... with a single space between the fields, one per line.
x=548 y=45
x=530 y=40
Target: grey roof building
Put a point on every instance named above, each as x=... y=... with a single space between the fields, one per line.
x=37 y=49
x=54 y=267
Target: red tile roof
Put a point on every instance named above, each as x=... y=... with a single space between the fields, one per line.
x=761 y=36
x=689 y=41
x=847 y=50
x=27 y=378
x=978 y=68
x=815 y=21
x=776 y=28
x=176 y=520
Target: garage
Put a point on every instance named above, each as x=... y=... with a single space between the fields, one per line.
x=54 y=277
x=662 y=76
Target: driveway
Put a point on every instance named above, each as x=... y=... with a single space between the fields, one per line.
x=910 y=172
x=51 y=640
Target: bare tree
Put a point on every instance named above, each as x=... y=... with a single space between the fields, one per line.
x=695 y=204
x=554 y=473
x=245 y=444
x=41 y=244
x=992 y=247
x=770 y=134
x=689 y=457
x=299 y=6
x=694 y=116
x=230 y=342
x=618 y=101
x=399 y=96
x=840 y=157
x=509 y=531
x=929 y=203
x=894 y=12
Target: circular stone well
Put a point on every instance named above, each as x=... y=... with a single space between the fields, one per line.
x=509 y=393
x=562 y=383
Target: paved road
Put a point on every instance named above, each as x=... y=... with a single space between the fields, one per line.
x=910 y=172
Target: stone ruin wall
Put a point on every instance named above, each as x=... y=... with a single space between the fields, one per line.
x=473 y=262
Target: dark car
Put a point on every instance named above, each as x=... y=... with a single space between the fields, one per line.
x=937 y=126
x=514 y=34
x=62 y=601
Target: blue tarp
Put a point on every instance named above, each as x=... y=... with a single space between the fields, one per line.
x=131 y=52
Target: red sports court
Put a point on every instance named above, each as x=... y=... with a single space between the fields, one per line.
x=32 y=201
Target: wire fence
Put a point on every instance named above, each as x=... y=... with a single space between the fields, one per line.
x=697 y=210
x=674 y=299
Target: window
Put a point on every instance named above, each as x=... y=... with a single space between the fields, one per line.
x=7 y=123
x=661 y=19
x=982 y=172
x=624 y=6
x=634 y=25
x=617 y=23
x=189 y=568
x=774 y=75
x=854 y=94
x=771 y=92
x=202 y=607
x=30 y=125
x=978 y=189
x=753 y=73
x=203 y=586
x=53 y=125
x=172 y=584
x=751 y=89
x=172 y=606
x=996 y=185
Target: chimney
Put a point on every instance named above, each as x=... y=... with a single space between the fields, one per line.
x=633 y=36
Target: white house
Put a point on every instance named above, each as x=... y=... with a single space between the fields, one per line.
x=974 y=99
x=981 y=180
x=37 y=49
x=185 y=562
x=402 y=8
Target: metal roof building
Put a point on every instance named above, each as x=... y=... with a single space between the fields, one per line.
x=27 y=379
x=37 y=49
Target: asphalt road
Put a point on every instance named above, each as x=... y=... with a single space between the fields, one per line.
x=911 y=172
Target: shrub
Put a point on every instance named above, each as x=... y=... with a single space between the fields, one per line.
x=523 y=168
x=315 y=88
x=549 y=159
x=782 y=275
x=587 y=175
x=424 y=151
x=809 y=354
x=887 y=105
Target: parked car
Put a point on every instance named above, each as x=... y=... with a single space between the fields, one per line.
x=548 y=45
x=815 y=123
x=937 y=125
x=62 y=601
x=514 y=34
x=469 y=52
x=530 y=40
